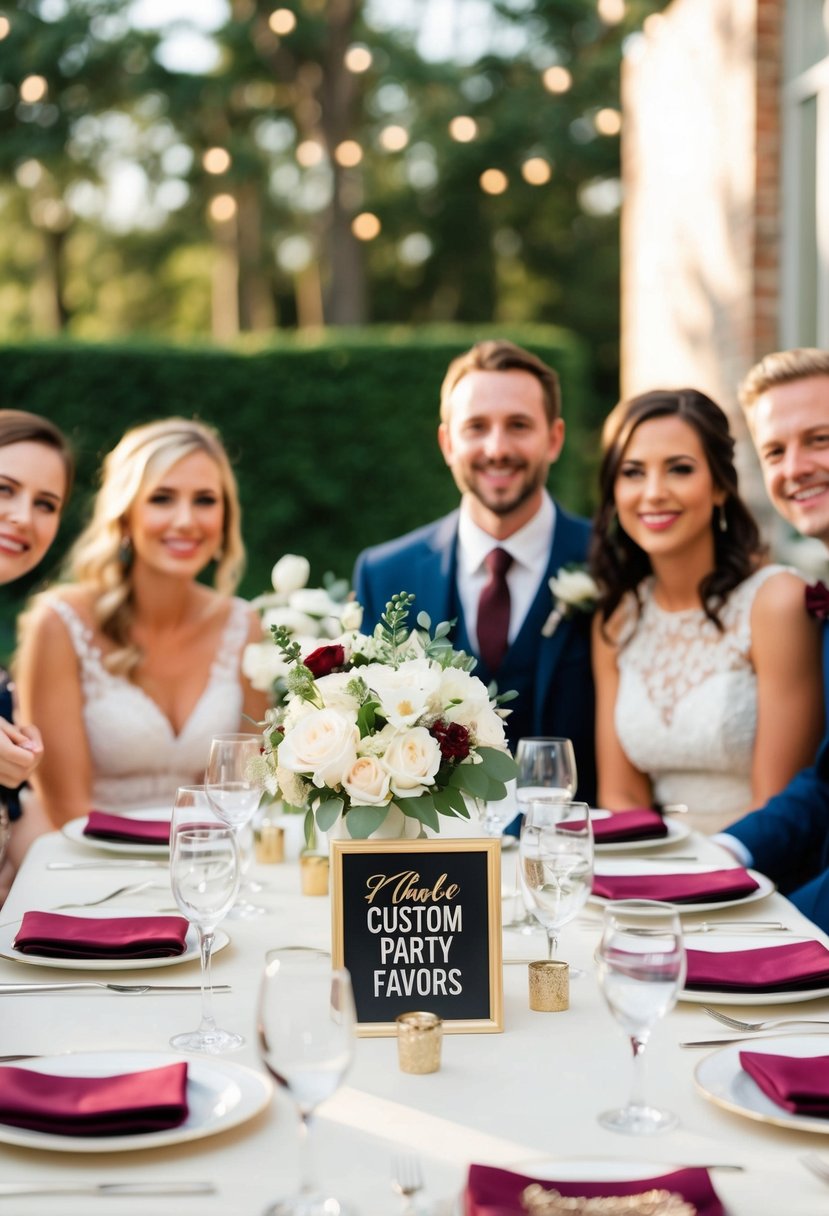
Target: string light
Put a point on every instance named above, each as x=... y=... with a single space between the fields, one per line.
x=557 y=79
x=463 y=129
x=608 y=121
x=493 y=181
x=358 y=58
x=282 y=21
x=394 y=138
x=222 y=208
x=348 y=153
x=309 y=153
x=366 y=226
x=536 y=170
x=216 y=160
x=33 y=89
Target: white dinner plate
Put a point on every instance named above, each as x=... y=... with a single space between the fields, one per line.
x=664 y=865
x=9 y=932
x=723 y=1081
x=719 y=942
x=592 y=1169
x=73 y=830
x=676 y=831
x=220 y=1095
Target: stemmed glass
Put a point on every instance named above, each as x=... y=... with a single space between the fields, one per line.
x=641 y=968
x=556 y=855
x=204 y=875
x=305 y=1025
x=233 y=782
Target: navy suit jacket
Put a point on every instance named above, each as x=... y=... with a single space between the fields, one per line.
x=424 y=562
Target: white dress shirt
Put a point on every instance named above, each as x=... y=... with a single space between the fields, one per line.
x=529 y=549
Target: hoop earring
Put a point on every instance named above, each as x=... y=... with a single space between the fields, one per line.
x=722 y=522
x=125 y=552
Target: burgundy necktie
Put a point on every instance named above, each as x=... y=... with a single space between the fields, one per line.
x=494 y=610
x=817 y=601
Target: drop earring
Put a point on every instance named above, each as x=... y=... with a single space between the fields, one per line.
x=125 y=552
x=722 y=522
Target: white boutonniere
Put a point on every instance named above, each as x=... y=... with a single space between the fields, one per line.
x=573 y=591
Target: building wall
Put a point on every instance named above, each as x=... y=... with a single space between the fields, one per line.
x=701 y=213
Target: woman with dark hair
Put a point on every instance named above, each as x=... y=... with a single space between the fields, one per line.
x=707 y=667
x=36 y=473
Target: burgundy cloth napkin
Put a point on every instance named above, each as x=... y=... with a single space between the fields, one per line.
x=798 y=1085
x=684 y=888
x=54 y=936
x=494 y=1192
x=101 y=826
x=788 y=968
x=637 y=824
x=149 y=1101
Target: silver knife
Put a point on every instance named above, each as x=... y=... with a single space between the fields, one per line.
x=54 y=986
x=107 y=1188
x=748 y=1038
x=109 y=864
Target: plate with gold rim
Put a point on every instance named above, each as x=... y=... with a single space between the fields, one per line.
x=722 y=1080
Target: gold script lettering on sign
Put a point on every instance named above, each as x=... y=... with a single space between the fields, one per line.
x=404 y=886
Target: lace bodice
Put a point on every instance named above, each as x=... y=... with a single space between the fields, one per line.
x=686 y=708
x=137 y=758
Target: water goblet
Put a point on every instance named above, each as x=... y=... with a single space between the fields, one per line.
x=556 y=854
x=641 y=968
x=546 y=769
x=305 y=1027
x=204 y=875
x=234 y=783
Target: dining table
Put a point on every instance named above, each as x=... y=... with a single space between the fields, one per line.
x=528 y=1094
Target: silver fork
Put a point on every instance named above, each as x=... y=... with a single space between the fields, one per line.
x=816 y=1165
x=131 y=889
x=738 y=1024
x=406 y=1180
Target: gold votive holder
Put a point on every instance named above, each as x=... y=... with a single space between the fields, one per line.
x=270 y=844
x=549 y=986
x=418 y=1042
x=313 y=872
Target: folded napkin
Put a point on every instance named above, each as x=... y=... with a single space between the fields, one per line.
x=637 y=824
x=684 y=888
x=788 y=968
x=54 y=936
x=798 y=1085
x=494 y=1192
x=133 y=1102
x=101 y=826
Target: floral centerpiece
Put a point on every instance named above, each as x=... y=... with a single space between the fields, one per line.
x=395 y=719
x=308 y=614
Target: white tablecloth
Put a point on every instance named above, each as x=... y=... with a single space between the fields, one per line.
x=532 y=1091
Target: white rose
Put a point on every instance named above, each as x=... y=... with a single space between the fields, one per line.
x=296 y=622
x=262 y=663
x=290 y=573
x=487 y=729
x=460 y=696
x=315 y=601
x=332 y=689
x=403 y=694
x=367 y=782
x=324 y=744
x=573 y=587
x=351 y=616
x=412 y=759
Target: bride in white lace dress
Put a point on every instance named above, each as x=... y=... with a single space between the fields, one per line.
x=707 y=666
x=131 y=668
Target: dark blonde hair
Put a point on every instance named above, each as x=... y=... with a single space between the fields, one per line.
x=782 y=367
x=500 y=355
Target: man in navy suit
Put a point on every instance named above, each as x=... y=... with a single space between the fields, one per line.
x=491 y=560
x=786 y=402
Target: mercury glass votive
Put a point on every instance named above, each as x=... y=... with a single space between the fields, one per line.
x=313 y=870
x=549 y=986
x=418 y=1042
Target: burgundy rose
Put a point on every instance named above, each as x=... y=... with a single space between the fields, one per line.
x=453 y=739
x=323 y=660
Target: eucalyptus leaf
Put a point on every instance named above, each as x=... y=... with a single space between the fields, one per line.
x=310 y=830
x=328 y=813
x=361 y=821
x=424 y=620
x=497 y=764
x=472 y=779
x=423 y=809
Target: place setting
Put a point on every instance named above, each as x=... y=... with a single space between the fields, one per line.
x=139 y=833
x=690 y=886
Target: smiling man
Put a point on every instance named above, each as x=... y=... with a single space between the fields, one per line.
x=786 y=403
x=487 y=566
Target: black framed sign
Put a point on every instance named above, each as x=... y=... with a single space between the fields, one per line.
x=418 y=925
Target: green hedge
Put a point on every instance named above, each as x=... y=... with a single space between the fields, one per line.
x=333 y=440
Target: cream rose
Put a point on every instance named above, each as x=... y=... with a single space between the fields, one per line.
x=411 y=759
x=323 y=744
x=351 y=616
x=290 y=573
x=367 y=782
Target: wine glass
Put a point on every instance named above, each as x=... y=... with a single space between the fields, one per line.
x=556 y=855
x=204 y=875
x=234 y=782
x=305 y=1026
x=546 y=769
x=641 y=968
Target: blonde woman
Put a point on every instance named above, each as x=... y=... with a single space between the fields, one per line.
x=131 y=668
